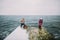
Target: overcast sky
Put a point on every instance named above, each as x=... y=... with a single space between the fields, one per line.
x=29 y=7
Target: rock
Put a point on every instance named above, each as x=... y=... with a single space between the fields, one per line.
x=39 y=34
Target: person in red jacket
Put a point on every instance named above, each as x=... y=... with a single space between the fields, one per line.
x=40 y=23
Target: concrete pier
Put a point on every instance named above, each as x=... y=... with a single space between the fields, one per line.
x=18 y=34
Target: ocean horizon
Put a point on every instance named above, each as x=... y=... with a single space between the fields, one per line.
x=8 y=23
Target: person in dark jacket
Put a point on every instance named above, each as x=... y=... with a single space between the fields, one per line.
x=22 y=21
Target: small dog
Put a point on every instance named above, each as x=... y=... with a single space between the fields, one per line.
x=25 y=27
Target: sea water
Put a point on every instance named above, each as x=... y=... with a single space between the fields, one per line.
x=8 y=23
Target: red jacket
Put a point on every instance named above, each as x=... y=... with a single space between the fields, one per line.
x=40 y=22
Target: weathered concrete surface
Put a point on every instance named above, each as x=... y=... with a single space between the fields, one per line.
x=18 y=34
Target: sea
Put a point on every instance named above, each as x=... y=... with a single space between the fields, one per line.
x=9 y=23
